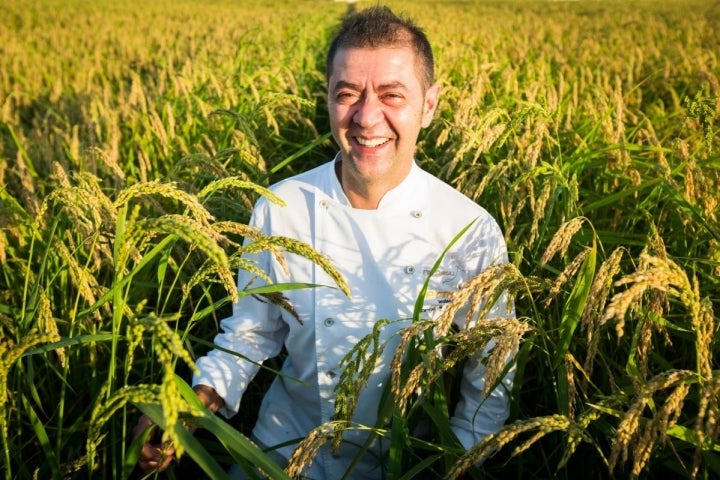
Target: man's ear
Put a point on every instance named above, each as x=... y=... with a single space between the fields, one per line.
x=432 y=96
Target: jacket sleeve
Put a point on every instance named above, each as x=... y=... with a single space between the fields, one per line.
x=253 y=333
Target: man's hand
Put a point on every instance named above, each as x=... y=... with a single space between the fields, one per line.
x=156 y=456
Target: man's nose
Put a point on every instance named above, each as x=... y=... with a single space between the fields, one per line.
x=368 y=111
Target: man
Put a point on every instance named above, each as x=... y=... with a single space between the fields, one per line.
x=383 y=222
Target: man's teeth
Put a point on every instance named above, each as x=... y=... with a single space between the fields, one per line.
x=371 y=143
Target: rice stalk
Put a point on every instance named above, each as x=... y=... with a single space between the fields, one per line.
x=357 y=366
x=509 y=433
x=278 y=244
x=497 y=339
x=631 y=436
x=189 y=201
x=195 y=233
x=306 y=451
x=590 y=319
x=103 y=411
x=561 y=240
x=479 y=294
x=398 y=376
x=570 y=270
x=235 y=182
x=10 y=354
x=707 y=421
x=47 y=324
x=657 y=274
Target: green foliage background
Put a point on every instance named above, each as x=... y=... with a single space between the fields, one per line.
x=135 y=136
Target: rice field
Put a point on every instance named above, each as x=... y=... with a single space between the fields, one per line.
x=135 y=137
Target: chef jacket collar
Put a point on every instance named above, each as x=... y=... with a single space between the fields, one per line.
x=407 y=195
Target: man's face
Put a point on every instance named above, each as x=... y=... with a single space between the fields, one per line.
x=377 y=105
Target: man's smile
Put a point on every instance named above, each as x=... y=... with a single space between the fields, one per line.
x=371 y=142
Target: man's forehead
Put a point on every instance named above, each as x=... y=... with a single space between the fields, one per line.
x=358 y=58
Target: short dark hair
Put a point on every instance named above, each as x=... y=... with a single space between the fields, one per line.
x=377 y=27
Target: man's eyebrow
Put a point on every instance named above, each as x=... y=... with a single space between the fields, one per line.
x=353 y=86
x=345 y=84
x=392 y=86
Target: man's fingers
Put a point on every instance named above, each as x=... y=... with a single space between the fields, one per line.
x=155 y=457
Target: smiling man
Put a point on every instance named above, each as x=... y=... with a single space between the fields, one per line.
x=379 y=100
x=383 y=222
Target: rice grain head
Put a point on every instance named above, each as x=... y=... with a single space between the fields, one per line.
x=590 y=319
x=306 y=451
x=561 y=240
x=628 y=434
x=495 y=442
x=570 y=270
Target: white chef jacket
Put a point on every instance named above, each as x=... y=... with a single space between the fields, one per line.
x=385 y=256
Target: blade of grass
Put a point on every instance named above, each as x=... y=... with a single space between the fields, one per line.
x=42 y=437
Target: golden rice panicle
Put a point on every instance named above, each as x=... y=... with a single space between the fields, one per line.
x=411 y=385
x=169 y=346
x=109 y=158
x=47 y=324
x=133 y=242
x=407 y=336
x=707 y=422
x=170 y=342
x=599 y=292
x=80 y=205
x=578 y=433
x=82 y=278
x=306 y=451
x=539 y=207
x=655 y=274
x=235 y=228
x=213 y=273
x=505 y=343
x=104 y=409
x=628 y=434
x=196 y=234
x=496 y=280
x=572 y=395
x=653 y=432
x=496 y=340
x=26 y=189
x=276 y=244
x=561 y=240
x=166 y=190
x=10 y=353
x=714 y=255
x=239 y=183
x=507 y=434
x=570 y=270
x=705 y=329
x=357 y=367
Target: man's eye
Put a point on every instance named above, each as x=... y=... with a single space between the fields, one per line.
x=392 y=98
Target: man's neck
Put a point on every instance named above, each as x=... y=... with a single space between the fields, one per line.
x=363 y=195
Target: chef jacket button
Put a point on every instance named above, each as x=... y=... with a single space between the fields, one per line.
x=409 y=269
x=416 y=213
x=329 y=322
x=324 y=204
